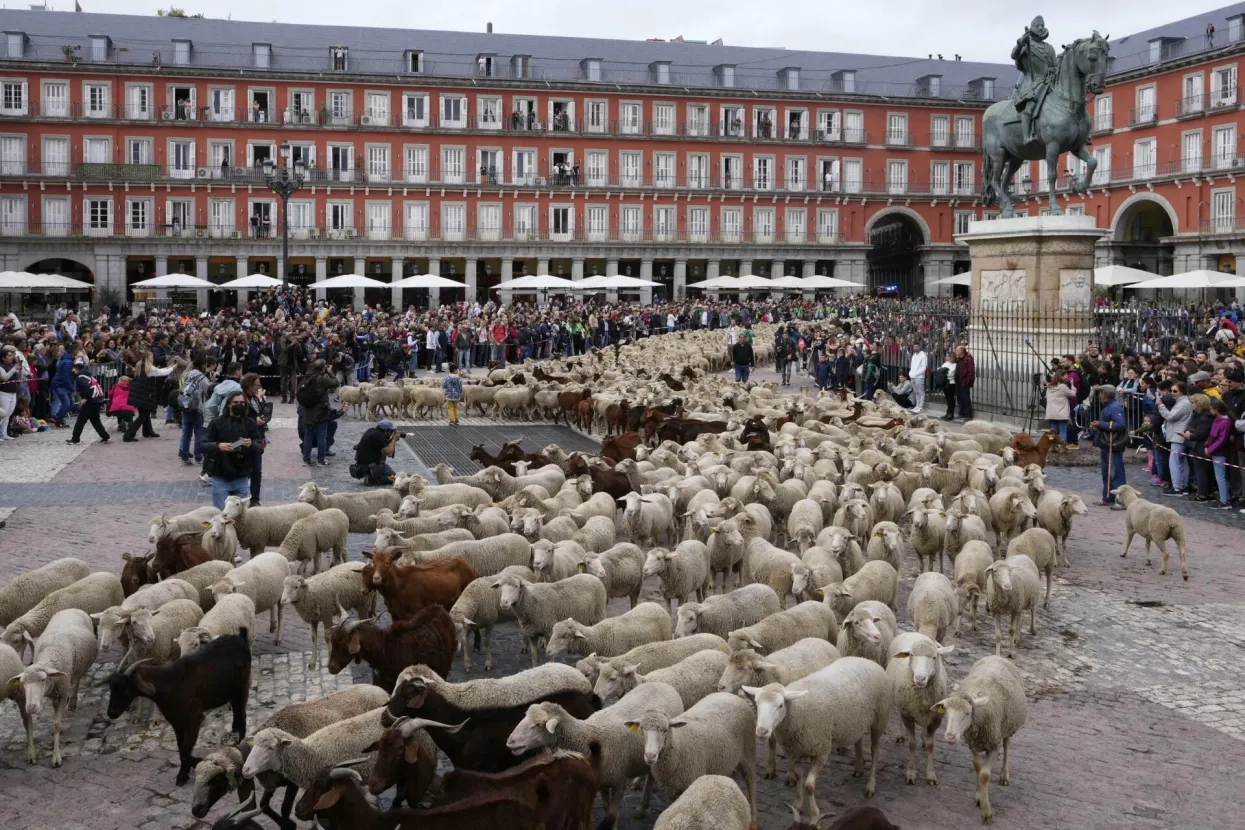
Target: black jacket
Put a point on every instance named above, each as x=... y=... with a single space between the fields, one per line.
x=741 y=352
x=225 y=429
x=147 y=392
x=1199 y=426
x=319 y=413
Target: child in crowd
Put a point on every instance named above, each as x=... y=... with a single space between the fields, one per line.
x=118 y=403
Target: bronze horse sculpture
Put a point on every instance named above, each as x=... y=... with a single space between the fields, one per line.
x=1062 y=125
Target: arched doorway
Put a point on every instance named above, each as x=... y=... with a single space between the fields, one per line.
x=895 y=241
x=1140 y=225
x=65 y=268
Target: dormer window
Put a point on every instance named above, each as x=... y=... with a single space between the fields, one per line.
x=486 y=66
x=414 y=62
x=660 y=72
x=982 y=88
x=521 y=66
x=725 y=75
x=100 y=45
x=16 y=44
x=339 y=58
x=929 y=85
x=181 y=52
x=845 y=80
x=591 y=68
x=1235 y=27
x=262 y=54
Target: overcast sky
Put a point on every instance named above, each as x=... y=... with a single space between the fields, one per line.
x=977 y=29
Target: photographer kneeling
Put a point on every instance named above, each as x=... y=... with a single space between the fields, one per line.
x=377 y=444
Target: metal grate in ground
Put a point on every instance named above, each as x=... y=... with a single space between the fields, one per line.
x=452 y=446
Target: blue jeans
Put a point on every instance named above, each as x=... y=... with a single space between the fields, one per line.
x=61 y=402
x=1060 y=427
x=222 y=488
x=192 y=430
x=1179 y=464
x=1160 y=468
x=1116 y=461
x=464 y=358
x=318 y=435
x=741 y=374
x=1220 y=463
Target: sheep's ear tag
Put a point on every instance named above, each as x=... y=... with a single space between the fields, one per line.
x=942 y=710
x=902 y=654
x=634 y=727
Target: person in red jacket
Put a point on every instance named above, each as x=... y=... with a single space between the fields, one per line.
x=119 y=403
x=965 y=377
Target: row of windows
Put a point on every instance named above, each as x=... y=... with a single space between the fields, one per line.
x=453 y=110
x=1193 y=98
x=384 y=219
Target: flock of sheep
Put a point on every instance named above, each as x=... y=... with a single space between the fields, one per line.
x=780 y=556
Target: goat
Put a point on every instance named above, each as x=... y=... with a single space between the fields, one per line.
x=427 y=638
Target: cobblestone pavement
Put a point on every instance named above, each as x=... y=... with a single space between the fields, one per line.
x=1136 y=717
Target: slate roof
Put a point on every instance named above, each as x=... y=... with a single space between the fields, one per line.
x=383 y=51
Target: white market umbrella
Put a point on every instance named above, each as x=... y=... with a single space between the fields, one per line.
x=23 y=281
x=252 y=281
x=1120 y=275
x=349 y=281
x=821 y=281
x=965 y=279
x=173 y=281
x=1193 y=279
x=426 y=281
x=542 y=282
x=617 y=282
x=717 y=284
x=591 y=283
x=789 y=284
x=749 y=282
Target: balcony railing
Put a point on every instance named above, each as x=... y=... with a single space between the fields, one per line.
x=472 y=233
x=1103 y=122
x=1223 y=224
x=1143 y=115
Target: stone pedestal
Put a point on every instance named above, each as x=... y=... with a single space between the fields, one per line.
x=1032 y=299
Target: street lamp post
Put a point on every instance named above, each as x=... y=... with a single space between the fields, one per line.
x=285 y=180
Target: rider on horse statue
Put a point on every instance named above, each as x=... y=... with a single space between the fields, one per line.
x=1036 y=59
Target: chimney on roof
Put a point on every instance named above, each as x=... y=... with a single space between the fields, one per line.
x=490 y=28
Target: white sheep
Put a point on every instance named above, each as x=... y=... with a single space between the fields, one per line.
x=325 y=530
x=646 y=518
x=1038 y=544
x=770 y=566
x=620 y=569
x=684 y=571
x=646 y=623
x=230 y=614
x=63 y=655
x=597 y=534
x=969 y=578
x=928 y=537
x=711 y=802
x=358 y=507
x=644 y=659
x=856 y=516
x=323 y=597
x=1010 y=510
x=1055 y=511
x=538 y=607
x=299 y=760
x=962 y=528
x=111 y=621
x=220 y=538
x=485 y=520
x=28 y=589
x=93 y=594
x=932 y=606
x=805 y=522
x=429 y=498
x=844 y=547
x=203 y=577
x=818 y=568
x=262 y=579
x=478 y=609
x=263 y=527
x=600 y=504
x=834 y=706
x=867 y=631
x=886 y=544
x=986 y=711
x=726 y=552
x=162 y=525
x=1155 y=523
x=549 y=726
x=431 y=523
x=887 y=502
x=876 y=580
x=714 y=737
x=1012 y=587
x=153 y=634
x=808 y=619
x=387 y=537
x=918 y=681
x=553 y=562
x=488 y=556
x=723 y=613
x=11 y=667
x=695 y=677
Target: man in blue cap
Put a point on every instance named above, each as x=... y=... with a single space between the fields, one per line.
x=377 y=444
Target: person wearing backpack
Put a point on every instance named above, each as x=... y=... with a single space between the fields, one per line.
x=92 y=396
x=313 y=397
x=221 y=390
x=191 y=399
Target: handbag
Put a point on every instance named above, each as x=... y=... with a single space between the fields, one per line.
x=265 y=360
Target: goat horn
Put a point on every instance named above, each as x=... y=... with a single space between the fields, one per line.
x=341 y=610
x=352 y=762
x=134 y=666
x=339 y=773
x=424 y=723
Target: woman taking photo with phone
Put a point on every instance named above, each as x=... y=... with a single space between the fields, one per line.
x=229 y=448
